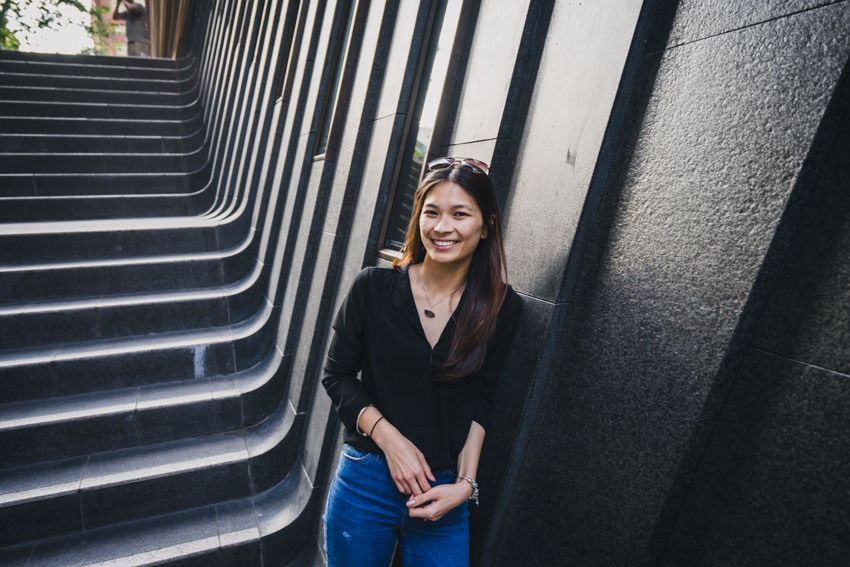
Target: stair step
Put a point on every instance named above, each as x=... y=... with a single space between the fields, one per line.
x=77 y=368
x=77 y=320
x=123 y=276
x=99 y=83
x=61 y=184
x=78 y=163
x=224 y=533
x=103 y=60
x=30 y=327
x=101 y=207
x=89 y=70
x=98 y=126
x=52 y=94
x=65 y=427
x=67 y=143
x=26 y=244
x=115 y=486
x=53 y=109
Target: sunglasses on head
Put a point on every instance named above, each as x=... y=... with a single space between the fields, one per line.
x=444 y=162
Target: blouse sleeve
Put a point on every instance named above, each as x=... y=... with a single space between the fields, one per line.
x=345 y=354
x=497 y=353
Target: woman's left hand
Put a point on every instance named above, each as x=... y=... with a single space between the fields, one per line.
x=434 y=503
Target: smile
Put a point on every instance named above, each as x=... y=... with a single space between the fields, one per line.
x=444 y=243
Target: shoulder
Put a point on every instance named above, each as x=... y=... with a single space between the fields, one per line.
x=372 y=279
x=371 y=275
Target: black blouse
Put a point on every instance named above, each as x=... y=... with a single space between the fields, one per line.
x=378 y=332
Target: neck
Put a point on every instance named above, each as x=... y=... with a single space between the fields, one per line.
x=442 y=278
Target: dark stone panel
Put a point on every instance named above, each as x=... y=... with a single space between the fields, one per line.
x=165 y=423
x=21 y=383
x=94 y=281
x=772 y=488
x=16 y=556
x=41 y=517
x=133 y=500
x=697 y=20
x=250 y=350
x=247 y=553
x=680 y=240
x=247 y=303
x=68 y=439
x=120 y=371
x=808 y=311
x=261 y=402
x=267 y=468
x=188 y=529
x=31 y=329
x=145 y=319
x=507 y=412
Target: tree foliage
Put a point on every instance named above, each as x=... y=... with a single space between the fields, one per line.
x=48 y=16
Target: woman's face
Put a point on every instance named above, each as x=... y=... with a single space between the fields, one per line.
x=451 y=224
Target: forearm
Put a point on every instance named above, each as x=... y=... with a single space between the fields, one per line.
x=368 y=420
x=467 y=460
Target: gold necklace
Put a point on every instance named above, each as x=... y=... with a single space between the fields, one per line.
x=430 y=312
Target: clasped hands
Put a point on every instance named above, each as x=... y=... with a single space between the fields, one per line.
x=411 y=474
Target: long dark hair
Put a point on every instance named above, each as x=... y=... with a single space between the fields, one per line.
x=486 y=281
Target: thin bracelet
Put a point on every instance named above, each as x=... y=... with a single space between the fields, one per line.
x=474 y=495
x=357 y=422
x=371 y=431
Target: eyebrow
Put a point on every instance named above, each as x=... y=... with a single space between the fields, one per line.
x=455 y=206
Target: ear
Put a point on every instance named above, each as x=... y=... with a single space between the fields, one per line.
x=490 y=222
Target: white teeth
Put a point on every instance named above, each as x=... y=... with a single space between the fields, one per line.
x=444 y=242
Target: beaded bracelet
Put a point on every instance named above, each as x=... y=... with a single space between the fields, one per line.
x=474 y=495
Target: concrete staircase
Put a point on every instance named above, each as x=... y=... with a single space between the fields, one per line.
x=143 y=416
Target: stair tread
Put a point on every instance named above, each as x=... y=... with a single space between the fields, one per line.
x=115 y=346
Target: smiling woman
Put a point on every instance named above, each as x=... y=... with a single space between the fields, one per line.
x=429 y=337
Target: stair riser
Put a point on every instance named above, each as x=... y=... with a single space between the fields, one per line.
x=70 y=184
x=98 y=60
x=98 y=505
x=28 y=330
x=121 y=430
x=111 y=127
x=77 y=164
x=95 y=83
x=100 y=71
x=21 y=286
x=81 y=376
x=47 y=94
x=28 y=249
x=123 y=502
x=51 y=110
x=38 y=380
x=27 y=209
x=12 y=143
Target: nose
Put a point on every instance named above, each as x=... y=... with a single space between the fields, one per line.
x=443 y=225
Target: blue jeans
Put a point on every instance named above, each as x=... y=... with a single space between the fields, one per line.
x=366 y=515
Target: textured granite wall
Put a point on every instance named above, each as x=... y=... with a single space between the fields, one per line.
x=693 y=411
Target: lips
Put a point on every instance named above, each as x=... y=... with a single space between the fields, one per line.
x=443 y=244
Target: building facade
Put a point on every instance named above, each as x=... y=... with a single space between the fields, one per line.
x=675 y=203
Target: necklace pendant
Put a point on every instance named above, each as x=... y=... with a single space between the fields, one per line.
x=429 y=314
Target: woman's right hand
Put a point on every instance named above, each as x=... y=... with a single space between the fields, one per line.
x=407 y=464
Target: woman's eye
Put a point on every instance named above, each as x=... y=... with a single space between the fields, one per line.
x=460 y=214
x=430 y=213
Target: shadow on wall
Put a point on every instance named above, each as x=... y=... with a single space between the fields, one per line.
x=770 y=435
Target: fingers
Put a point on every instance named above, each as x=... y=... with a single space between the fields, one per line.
x=431 y=512
x=411 y=483
x=426 y=468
